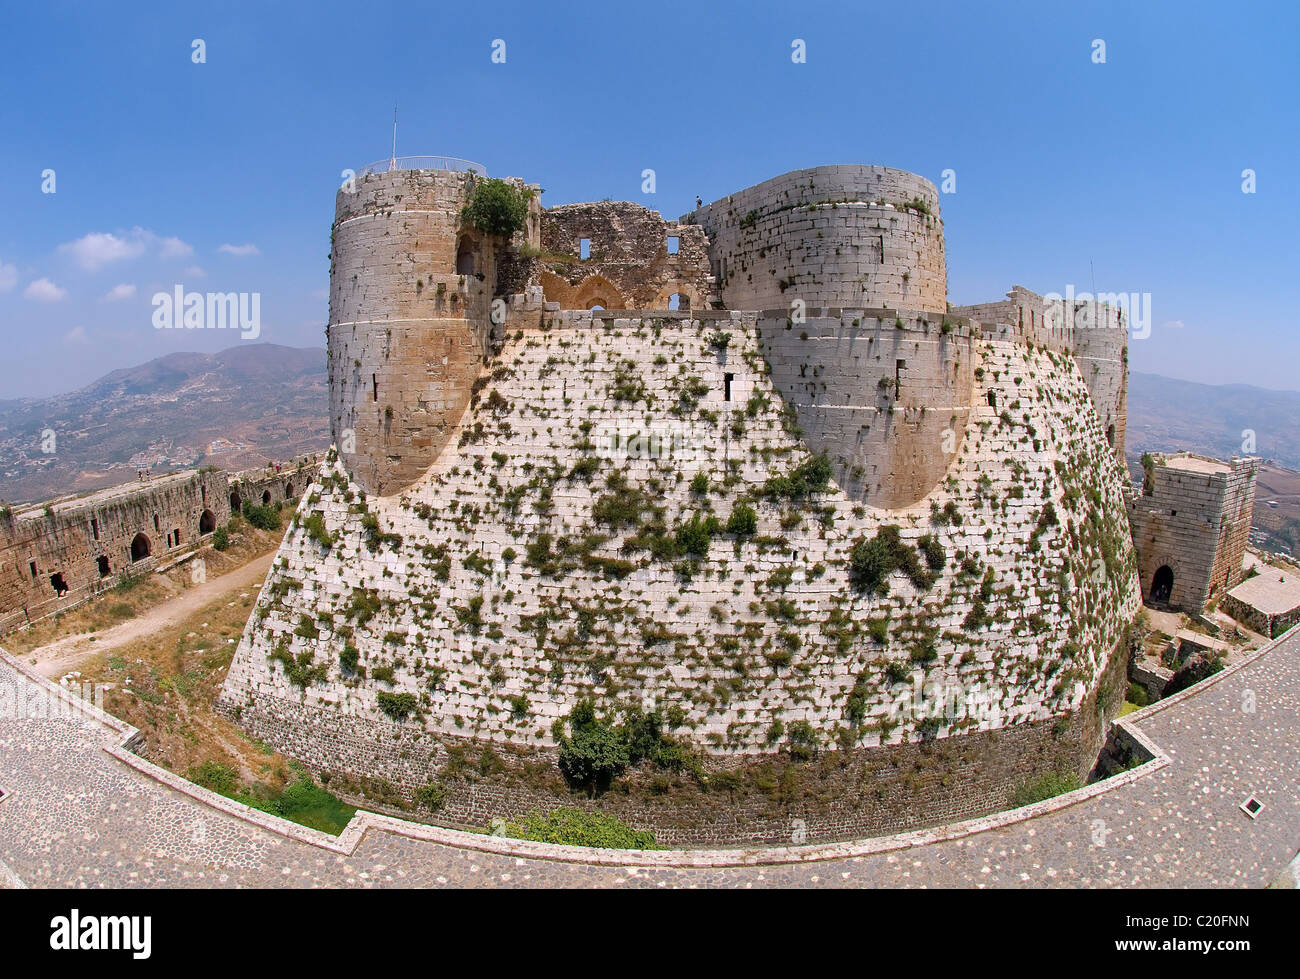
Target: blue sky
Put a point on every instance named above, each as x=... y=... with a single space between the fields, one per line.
x=221 y=176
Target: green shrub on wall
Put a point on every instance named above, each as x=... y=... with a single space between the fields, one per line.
x=496 y=208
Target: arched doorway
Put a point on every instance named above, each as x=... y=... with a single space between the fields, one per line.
x=235 y=503
x=288 y=490
x=266 y=498
x=207 y=522
x=1162 y=584
x=1110 y=435
x=140 y=547
x=465 y=257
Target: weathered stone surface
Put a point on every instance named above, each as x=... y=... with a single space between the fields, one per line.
x=1193 y=517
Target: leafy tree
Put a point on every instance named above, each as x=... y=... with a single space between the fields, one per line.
x=496 y=208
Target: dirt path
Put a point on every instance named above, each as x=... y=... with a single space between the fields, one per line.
x=57 y=658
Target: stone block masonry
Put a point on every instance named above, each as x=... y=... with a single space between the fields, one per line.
x=1191 y=524
x=56 y=555
x=849 y=236
x=496 y=595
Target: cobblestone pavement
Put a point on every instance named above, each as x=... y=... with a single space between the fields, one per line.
x=75 y=816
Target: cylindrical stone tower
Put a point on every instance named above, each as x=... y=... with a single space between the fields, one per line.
x=408 y=326
x=836 y=236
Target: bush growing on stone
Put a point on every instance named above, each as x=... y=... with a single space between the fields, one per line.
x=398 y=706
x=348 y=660
x=221 y=538
x=577 y=827
x=315 y=527
x=496 y=208
x=933 y=550
x=1137 y=695
x=812 y=476
x=262 y=517
x=594 y=756
x=1045 y=787
x=700 y=484
x=431 y=796
x=694 y=535
x=743 y=521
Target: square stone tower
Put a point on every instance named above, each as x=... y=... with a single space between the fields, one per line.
x=1190 y=525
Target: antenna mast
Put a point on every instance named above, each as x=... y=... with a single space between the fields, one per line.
x=392 y=162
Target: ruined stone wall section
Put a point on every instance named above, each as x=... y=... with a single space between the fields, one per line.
x=1197 y=524
x=72 y=538
x=629 y=265
x=502 y=599
x=886 y=395
x=834 y=236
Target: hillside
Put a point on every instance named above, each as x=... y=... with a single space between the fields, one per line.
x=1167 y=414
x=234 y=409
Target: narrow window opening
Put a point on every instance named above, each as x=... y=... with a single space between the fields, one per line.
x=673 y=243
x=374 y=387
x=899 y=365
x=156 y=525
x=993 y=399
x=726 y=386
x=176 y=536
x=675 y=301
x=57 y=582
x=32 y=565
x=584 y=249
x=204 y=491
x=94 y=528
x=104 y=569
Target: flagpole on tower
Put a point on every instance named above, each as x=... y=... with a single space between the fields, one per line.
x=392 y=162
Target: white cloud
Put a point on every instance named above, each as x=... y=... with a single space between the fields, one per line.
x=100 y=248
x=43 y=290
x=119 y=292
x=239 y=251
x=8 y=277
x=194 y=272
x=1174 y=325
x=94 y=250
x=175 y=248
x=77 y=337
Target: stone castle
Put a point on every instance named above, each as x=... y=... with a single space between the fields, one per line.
x=865 y=555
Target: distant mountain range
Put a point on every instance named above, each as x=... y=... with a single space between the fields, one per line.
x=254 y=403
x=238 y=408
x=1166 y=415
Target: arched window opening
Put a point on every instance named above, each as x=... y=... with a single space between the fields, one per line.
x=140 y=547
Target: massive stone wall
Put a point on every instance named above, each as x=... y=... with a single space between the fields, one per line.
x=834 y=236
x=1094 y=332
x=1192 y=518
x=629 y=265
x=520 y=575
x=54 y=556
x=884 y=394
